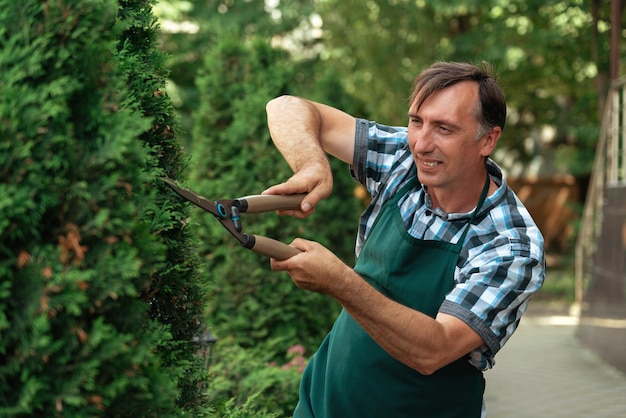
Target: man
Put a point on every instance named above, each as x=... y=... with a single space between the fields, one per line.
x=447 y=255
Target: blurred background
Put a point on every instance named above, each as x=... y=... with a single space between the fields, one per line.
x=559 y=63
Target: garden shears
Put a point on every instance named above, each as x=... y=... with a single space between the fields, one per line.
x=228 y=211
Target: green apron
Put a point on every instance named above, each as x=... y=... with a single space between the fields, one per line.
x=352 y=376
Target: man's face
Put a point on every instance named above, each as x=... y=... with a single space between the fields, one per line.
x=442 y=137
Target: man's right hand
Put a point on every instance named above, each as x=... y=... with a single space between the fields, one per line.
x=304 y=132
x=315 y=180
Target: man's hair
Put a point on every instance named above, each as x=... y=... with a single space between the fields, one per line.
x=491 y=106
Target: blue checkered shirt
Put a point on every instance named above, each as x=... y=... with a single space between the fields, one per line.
x=502 y=262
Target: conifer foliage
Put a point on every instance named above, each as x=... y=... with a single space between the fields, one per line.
x=234 y=156
x=100 y=302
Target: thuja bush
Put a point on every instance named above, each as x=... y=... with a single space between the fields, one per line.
x=259 y=315
x=233 y=155
x=247 y=378
x=177 y=293
x=99 y=305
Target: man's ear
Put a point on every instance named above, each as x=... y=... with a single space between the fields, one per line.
x=490 y=141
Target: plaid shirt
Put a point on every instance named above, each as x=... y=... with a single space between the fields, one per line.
x=502 y=262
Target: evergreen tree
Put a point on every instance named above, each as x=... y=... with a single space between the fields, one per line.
x=176 y=295
x=234 y=156
x=99 y=299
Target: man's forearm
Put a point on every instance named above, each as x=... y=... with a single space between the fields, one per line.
x=417 y=340
x=295 y=125
x=298 y=126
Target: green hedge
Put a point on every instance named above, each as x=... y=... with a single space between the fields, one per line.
x=233 y=156
x=99 y=296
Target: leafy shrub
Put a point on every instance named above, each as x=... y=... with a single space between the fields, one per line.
x=249 y=378
x=97 y=310
x=259 y=314
x=234 y=156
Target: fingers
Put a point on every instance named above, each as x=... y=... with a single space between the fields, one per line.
x=307 y=206
x=288 y=189
x=288 y=264
x=284 y=188
x=316 y=186
x=315 y=268
x=314 y=196
x=277 y=265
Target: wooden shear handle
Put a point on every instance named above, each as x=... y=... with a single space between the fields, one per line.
x=271 y=248
x=269 y=202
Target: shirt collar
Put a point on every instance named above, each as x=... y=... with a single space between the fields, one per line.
x=495 y=172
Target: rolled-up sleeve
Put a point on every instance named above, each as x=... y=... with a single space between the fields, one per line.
x=359 y=161
x=494 y=287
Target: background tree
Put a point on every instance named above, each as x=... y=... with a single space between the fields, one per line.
x=234 y=155
x=543 y=52
x=99 y=302
x=362 y=57
x=258 y=315
x=192 y=27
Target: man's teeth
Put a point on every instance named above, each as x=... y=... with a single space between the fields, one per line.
x=430 y=163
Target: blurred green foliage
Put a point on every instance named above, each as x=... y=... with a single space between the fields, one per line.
x=551 y=66
x=228 y=58
x=250 y=376
x=234 y=156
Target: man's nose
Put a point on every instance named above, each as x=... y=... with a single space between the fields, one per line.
x=423 y=141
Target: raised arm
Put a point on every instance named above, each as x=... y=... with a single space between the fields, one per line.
x=304 y=131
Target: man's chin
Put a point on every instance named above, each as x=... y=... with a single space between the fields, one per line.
x=426 y=179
